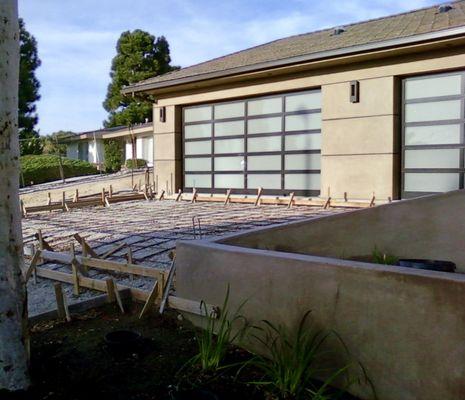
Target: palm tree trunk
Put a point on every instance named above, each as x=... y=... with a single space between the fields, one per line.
x=13 y=307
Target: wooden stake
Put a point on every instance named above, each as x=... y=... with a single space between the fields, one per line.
x=62 y=307
x=130 y=261
x=86 y=246
x=150 y=300
x=40 y=238
x=194 y=195
x=23 y=209
x=32 y=266
x=162 y=195
x=259 y=194
x=372 y=202
x=103 y=197
x=63 y=202
x=228 y=195
x=291 y=200
x=49 y=201
x=345 y=196
x=107 y=203
x=179 y=196
x=328 y=203
x=167 y=288
x=75 y=270
x=110 y=193
x=76 y=196
x=111 y=290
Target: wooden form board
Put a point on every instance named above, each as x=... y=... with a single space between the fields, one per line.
x=180 y=304
x=276 y=201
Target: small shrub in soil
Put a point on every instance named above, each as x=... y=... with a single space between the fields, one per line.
x=137 y=163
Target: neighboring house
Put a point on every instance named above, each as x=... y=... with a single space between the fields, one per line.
x=88 y=146
x=375 y=107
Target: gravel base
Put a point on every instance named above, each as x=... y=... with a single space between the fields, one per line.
x=150 y=228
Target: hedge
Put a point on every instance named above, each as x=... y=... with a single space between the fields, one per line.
x=139 y=163
x=113 y=149
x=46 y=168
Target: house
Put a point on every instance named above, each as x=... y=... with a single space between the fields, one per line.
x=89 y=146
x=375 y=107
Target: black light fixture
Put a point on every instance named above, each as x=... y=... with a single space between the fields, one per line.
x=162 y=114
x=354 y=91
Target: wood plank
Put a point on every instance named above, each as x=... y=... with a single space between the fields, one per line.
x=86 y=248
x=32 y=265
x=167 y=287
x=228 y=195
x=62 y=307
x=137 y=294
x=291 y=200
x=179 y=196
x=193 y=307
x=259 y=194
x=150 y=300
x=194 y=195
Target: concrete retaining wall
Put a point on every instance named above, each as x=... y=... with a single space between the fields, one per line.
x=407 y=327
x=429 y=227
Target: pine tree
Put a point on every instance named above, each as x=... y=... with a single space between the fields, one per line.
x=28 y=93
x=140 y=55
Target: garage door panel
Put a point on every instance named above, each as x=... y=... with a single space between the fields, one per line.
x=255 y=143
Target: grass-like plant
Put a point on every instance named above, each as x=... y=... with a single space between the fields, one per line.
x=378 y=257
x=293 y=361
x=217 y=334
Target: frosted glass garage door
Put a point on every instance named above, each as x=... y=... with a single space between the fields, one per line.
x=433 y=134
x=272 y=142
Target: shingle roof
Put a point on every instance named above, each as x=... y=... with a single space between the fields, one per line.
x=417 y=22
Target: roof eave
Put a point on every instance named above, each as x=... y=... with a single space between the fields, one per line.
x=391 y=43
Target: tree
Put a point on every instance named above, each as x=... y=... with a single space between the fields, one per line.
x=13 y=305
x=28 y=93
x=139 y=55
x=52 y=144
x=113 y=155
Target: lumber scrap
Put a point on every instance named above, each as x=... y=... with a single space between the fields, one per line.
x=86 y=249
x=150 y=300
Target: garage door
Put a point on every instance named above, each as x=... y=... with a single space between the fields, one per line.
x=270 y=142
x=433 y=134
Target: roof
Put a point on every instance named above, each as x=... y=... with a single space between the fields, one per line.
x=396 y=28
x=116 y=131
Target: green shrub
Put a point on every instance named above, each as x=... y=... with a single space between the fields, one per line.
x=46 y=168
x=113 y=155
x=137 y=163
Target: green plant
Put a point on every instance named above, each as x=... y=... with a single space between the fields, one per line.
x=137 y=163
x=113 y=155
x=293 y=361
x=379 y=257
x=46 y=168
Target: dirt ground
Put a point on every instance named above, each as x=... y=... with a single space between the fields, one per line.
x=72 y=361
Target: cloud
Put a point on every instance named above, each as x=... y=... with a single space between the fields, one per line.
x=77 y=39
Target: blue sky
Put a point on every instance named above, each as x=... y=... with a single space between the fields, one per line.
x=77 y=39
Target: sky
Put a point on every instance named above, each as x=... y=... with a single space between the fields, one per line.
x=77 y=39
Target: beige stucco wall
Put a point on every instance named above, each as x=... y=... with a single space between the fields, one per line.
x=406 y=327
x=430 y=227
x=360 y=148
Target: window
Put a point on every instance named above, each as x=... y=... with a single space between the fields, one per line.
x=433 y=134
x=271 y=142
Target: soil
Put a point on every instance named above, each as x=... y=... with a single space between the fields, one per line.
x=71 y=361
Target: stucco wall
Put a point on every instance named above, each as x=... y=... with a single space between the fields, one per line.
x=406 y=327
x=360 y=148
x=427 y=227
